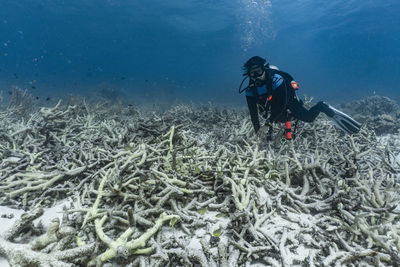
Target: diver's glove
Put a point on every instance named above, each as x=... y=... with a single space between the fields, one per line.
x=268 y=122
x=268 y=129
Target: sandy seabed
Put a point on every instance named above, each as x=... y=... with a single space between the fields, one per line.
x=96 y=184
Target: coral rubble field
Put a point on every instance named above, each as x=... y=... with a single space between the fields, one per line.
x=192 y=185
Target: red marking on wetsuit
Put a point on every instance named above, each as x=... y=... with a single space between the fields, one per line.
x=295 y=85
x=288 y=130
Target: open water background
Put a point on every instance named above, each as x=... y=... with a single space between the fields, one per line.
x=192 y=50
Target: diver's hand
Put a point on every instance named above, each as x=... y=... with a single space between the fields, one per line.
x=262 y=131
x=266 y=131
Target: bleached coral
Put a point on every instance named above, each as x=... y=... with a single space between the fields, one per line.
x=230 y=198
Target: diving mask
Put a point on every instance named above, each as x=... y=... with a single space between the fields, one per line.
x=256 y=72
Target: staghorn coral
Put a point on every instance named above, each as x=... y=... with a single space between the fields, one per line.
x=373 y=106
x=230 y=198
x=21 y=102
x=379 y=113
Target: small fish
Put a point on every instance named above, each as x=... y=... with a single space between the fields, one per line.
x=16 y=76
x=123 y=78
x=9 y=92
x=37 y=97
x=48 y=98
x=130 y=105
x=33 y=87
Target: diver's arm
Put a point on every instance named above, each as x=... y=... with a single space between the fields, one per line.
x=280 y=99
x=252 y=104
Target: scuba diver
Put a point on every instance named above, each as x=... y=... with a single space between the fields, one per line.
x=273 y=92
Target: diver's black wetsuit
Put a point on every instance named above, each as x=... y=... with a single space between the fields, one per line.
x=278 y=94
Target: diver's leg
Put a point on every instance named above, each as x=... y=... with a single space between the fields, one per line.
x=307 y=115
x=341 y=120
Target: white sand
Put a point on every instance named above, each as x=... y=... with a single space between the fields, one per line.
x=46 y=218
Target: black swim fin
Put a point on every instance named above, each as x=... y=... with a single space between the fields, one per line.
x=343 y=121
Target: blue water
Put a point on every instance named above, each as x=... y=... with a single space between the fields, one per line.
x=187 y=50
